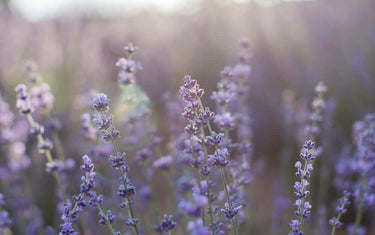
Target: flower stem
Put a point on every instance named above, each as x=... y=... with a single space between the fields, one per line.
x=228 y=198
x=49 y=157
x=128 y=201
x=334 y=227
x=358 y=216
x=109 y=225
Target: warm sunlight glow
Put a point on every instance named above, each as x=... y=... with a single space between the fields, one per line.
x=38 y=9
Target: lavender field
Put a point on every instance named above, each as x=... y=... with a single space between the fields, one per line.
x=217 y=117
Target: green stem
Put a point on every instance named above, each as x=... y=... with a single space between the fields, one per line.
x=301 y=220
x=358 y=216
x=334 y=227
x=200 y=190
x=123 y=176
x=49 y=157
x=129 y=204
x=128 y=201
x=109 y=225
x=228 y=199
x=203 y=136
x=221 y=171
x=208 y=183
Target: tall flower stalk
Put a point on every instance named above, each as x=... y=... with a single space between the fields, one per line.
x=199 y=118
x=308 y=154
x=341 y=209
x=26 y=107
x=86 y=196
x=233 y=116
x=103 y=120
x=303 y=173
x=365 y=140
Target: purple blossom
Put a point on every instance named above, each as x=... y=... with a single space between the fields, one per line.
x=118 y=160
x=225 y=121
x=197 y=228
x=167 y=223
x=295 y=228
x=230 y=213
x=163 y=163
x=303 y=173
x=219 y=158
x=100 y=102
x=24 y=100
x=190 y=208
x=87 y=129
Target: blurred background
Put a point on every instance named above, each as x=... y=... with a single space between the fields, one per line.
x=294 y=43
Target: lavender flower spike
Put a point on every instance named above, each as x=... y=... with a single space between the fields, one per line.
x=167 y=223
x=341 y=209
x=301 y=187
x=24 y=104
x=103 y=122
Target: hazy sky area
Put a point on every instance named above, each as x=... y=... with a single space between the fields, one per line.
x=39 y=9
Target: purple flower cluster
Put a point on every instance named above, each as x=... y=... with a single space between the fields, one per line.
x=198 y=169
x=166 y=224
x=199 y=118
x=316 y=117
x=103 y=121
x=128 y=66
x=87 y=196
x=303 y=173
x=341 y=209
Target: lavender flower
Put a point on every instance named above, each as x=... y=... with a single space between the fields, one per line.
x=341 y=209
x=295 y=228
x=197 y=228
x=128 y=66
x=303 y=172
x=167 y=223
x=316 y=117
x=86 y=196
x=6 y=121
x=199 y=118
x=104 y=124
x=364 y=136
x=163 y=163
x=219 y=159
x=190 y=208
x=100 y=103
x=87 y=129
x=24 y=103
x=230 y=213
x=24 y=100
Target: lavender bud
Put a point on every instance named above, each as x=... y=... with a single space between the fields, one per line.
x=101 y=102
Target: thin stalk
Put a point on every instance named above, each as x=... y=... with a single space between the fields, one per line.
x=301 y=220
x=129 y=204
x=208 y=183
x=221 y=171
x=228 y=199
x=203 y=135
x=49 y=157
x=358 y=216
x=109 y=225
x=200 y=189
x=128 y=201
x=334 y=227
